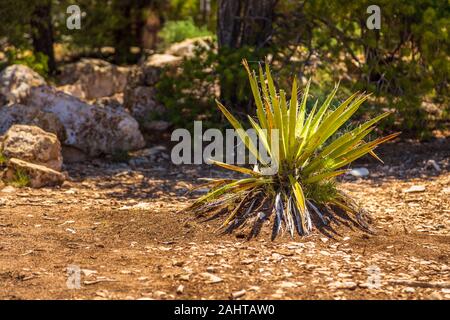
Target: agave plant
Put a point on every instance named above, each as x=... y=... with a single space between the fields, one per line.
x=310 y=156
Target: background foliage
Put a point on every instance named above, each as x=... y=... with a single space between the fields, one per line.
x=405 y=64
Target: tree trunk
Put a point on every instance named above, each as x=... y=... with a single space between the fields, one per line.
x=42 y=32
x=244 y=23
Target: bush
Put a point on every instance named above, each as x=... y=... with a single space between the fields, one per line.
x=176 y=31
x=36 y=61
x=189 y=95
x=299 y=178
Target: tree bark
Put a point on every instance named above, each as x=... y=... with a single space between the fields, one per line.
x=244 y=22
x=42 y=32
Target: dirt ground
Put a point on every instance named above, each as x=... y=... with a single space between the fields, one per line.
x=120 y=225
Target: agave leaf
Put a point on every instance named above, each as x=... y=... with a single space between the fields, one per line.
x=300 y=201
x=262 y=135
x=284 y=131
x=362 y=150
x=241 y=132
x=278 y=216
x=318 y=163
x=373 y=154
x=234 y=168
x=324 y=176
x=255 y=90
x=323 y=109
x=235 y=211
x=344 y=142
x=316 y=210
x=302 y=112
x=211 y=184
x=241 y=185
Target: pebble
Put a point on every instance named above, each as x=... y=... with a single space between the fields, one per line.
x=238 y=294
x=180 y=289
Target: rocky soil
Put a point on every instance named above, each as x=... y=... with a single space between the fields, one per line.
x=121 y=225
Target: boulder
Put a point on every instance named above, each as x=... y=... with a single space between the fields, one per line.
x=93 y=78
x=39 y=176
x=16 y=82
x=75 y=90
x=92 y=129
x=140 y=93
x=29 y=115
x=32 y=144
x=142 y=104
x=187 y=48
x=147 y=72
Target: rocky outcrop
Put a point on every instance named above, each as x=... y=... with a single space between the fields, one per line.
x=16 y=82
x=188 y=48
x=38 y=176
x=93 y=78
x=140 y=93
x=29 y=115
x=92 y=129
x=142 y=103
x=32 y=144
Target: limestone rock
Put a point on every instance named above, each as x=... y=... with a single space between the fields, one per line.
x=29 y=115
x=40 y=176
x=92 y=129
x=140 y=93
x=187 y=48
x=93 y=78
x=15 y=83
x=142 y=103
x=32 y=144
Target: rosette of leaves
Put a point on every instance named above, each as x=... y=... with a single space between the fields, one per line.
x=308 y=155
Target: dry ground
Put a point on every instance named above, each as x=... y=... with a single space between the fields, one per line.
x=120 y=225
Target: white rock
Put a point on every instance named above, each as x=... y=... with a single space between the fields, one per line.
x=187 y=48
x=33 y=116
x=359 y=172
x=211 y=278
x=16 y=82
x=32 y=144
x=91 y=129
x=39 y=176
x=93 y=78
x=415 y=188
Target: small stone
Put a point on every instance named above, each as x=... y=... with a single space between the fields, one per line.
x=414 y=189
x=184 y=277
x=159 y=294
x=180 y=289
x=238 y=294
x=178 y=263
x=287 y=284
x=409 y=290
x=211 y=278
x=359 y=172
x=435 y=296
x=211 y=269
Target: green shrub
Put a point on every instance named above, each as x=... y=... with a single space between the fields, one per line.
x=20 y=179
x=176 y=31
x=36 y=61
x=305 y=158
x=189 y=95
x=3 y=159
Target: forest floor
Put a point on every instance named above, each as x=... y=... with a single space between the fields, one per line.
x=122 y=227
